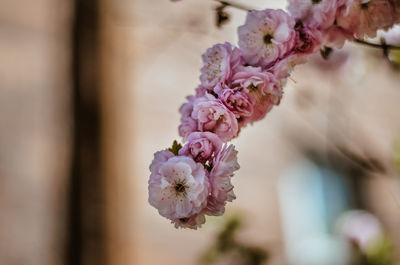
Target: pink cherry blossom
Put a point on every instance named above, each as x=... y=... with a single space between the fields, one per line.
x=396 y=18
x=201 y=91
x=308 y=40
x=237 y=101
x=224 y=165
x=392 y=37
x=283 y=68
x=202 y=146
x=160 y=158
x=266 y=36
x=193 y=222
x=314 y=13
x=178 y=187
x=336 y=36
x=364 y=17
x=212 y=116
x=218 y=63
x=215 y=207
x=255 y=79
x=262 y=87
x=188 y=124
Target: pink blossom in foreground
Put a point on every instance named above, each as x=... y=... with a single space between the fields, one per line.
x=255 y=79
x=308 y=40
x=160 y=158
x=201 y=91
x=314 y=13
x=193 y=222
x=188 y=124
x=392 y=37
x=364 y=17
x=336 y=37
x=212 y=116
x=202 y=146
x=262 y=87
x=283 y=68
x=237 y=101
x=214 y=207
x=224 y=165
x=178 y=187
x=266 y=36
x=218 y=63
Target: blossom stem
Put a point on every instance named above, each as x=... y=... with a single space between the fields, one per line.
x=362 y=42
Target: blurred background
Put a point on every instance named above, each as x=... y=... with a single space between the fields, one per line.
x=89 y=90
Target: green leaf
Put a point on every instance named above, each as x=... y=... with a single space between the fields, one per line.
x=394 y=56
x=175 y=147
x=381 y=253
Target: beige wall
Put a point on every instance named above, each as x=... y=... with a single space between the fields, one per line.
x=34 y=130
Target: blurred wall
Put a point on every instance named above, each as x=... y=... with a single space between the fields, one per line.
x=34 y=129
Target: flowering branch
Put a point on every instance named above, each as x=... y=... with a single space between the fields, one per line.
x=362 y=42
x=238 y=86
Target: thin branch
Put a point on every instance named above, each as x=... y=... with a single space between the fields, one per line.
x=376 y=45
x=235 y=5
x=363 y=42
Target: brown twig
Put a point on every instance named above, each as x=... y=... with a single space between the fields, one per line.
x=235 y=5
x=376 y=45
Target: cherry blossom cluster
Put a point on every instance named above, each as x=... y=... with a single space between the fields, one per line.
x=240 y=85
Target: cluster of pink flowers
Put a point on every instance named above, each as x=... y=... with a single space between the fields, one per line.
x=240 y=85
x=186 y=183
x=340 y=20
